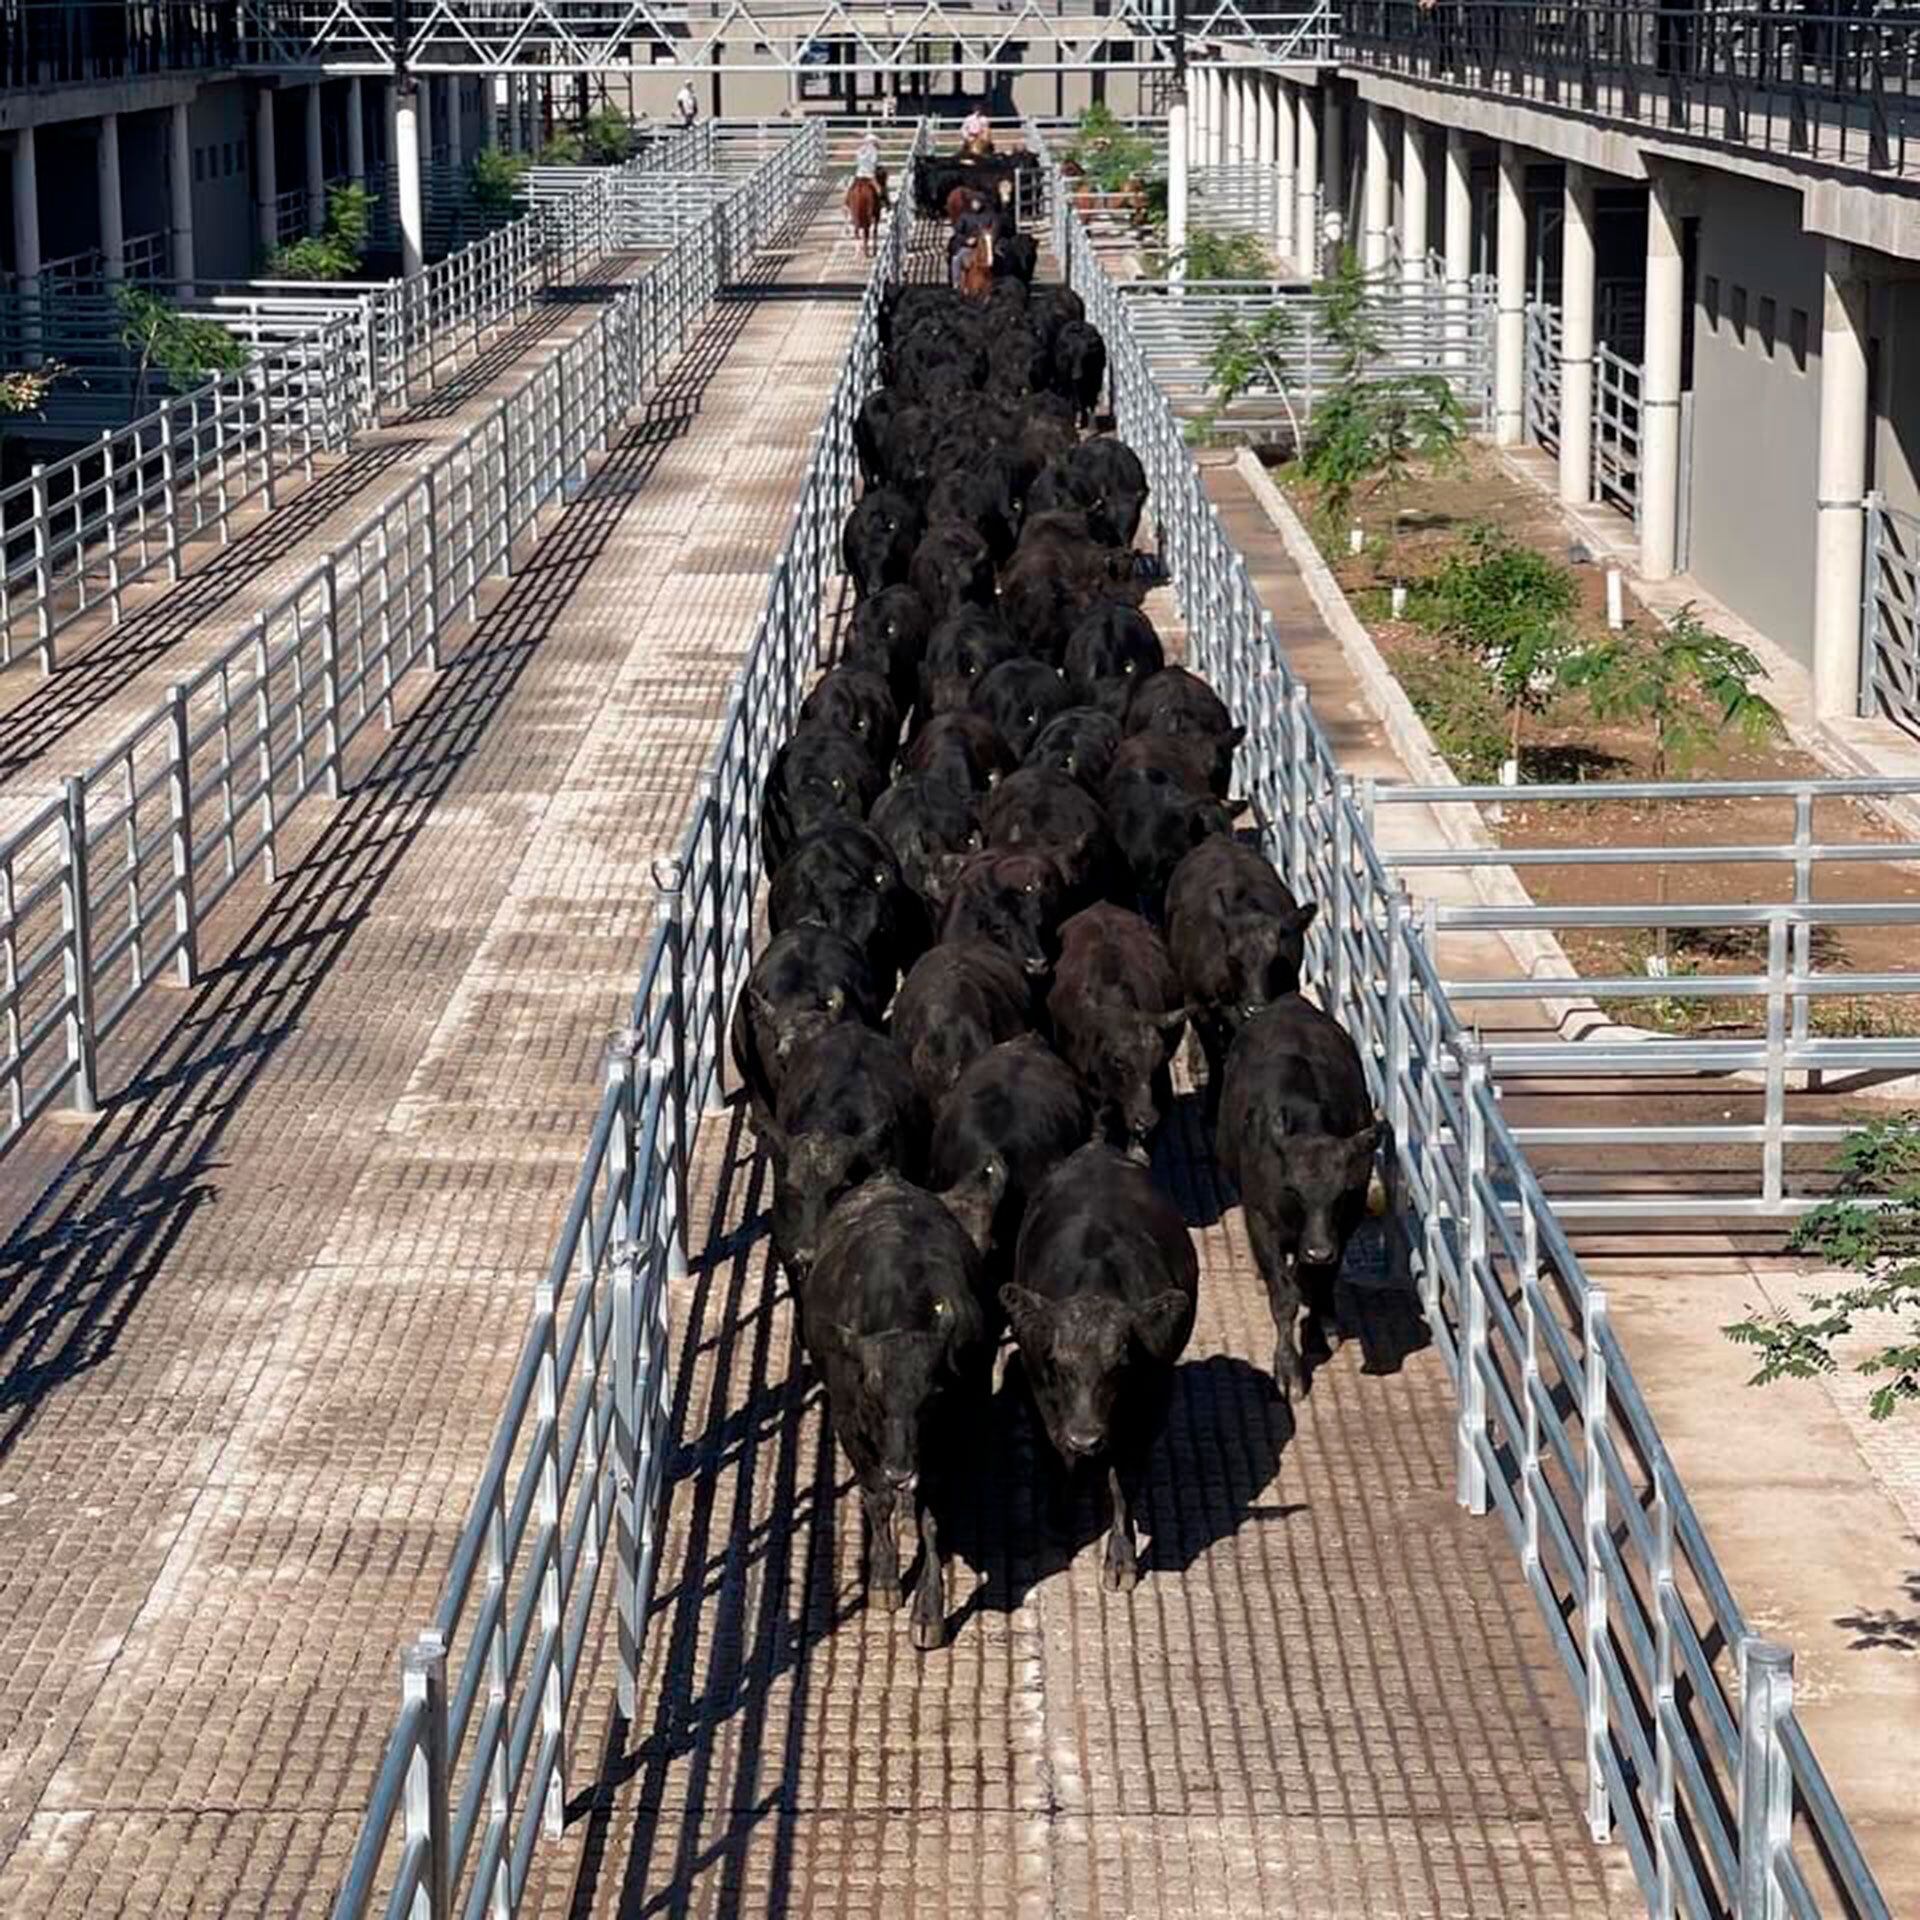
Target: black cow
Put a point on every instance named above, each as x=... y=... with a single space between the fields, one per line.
x=1079 y=367
x=961 y=750
x=1005 y=1124
x=1109 y=654
x=1080 y=742
x=960 y=998
x=1117 y=1016
x=952 y=568
x=927 y=821
x=845 y=877
x=804 y=981
x=1102 y=479
x=1016 y=900
x=856 y=701
x=1297 y=1136
x=1020 y=697
x=1178 y=702
x=1038 y=809
x=1157 y=821
x=963 y=648
x=978 y=495
x=848 y=1109
x=888 y=635
x=1237 y=936
x=819 y=776
x=1102 y=1304
x=893 y=1316
x=878 y=541
x=870 y=433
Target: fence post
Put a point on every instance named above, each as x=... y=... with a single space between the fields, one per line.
x=330 y=674
x=553 y=1592
x=1773 y=1149
x=186 y=921
x=109 y=496
x=76 y=916
x=1399 y=1019
x=1664 y=1600
x=263 y=709
x=668 y=878
x=1766 y=1779
x=1340 y=906
x=1470 y=1470
x=433 y=569
x=42 y=566
x=1593 y=1623
x=423 y=1678
x=1870 y=608
x=169 y=462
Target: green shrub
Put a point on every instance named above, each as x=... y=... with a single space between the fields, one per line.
x=186 y=349
x=335 y=252
x=1106 y=153
x=1209 y=255
x=607 y=138
x=563 y=150
x=1461 y=710
x=493 y=182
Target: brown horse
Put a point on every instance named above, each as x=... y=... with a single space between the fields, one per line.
x=863 y=210
x=972 y=267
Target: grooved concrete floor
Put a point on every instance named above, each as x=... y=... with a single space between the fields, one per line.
x=256 y=1324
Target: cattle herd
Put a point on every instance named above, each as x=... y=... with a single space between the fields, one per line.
x=1003 y=882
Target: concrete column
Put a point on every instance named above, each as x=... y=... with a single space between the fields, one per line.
x=113 y=229
x=1413 y=202
x=489 y=112
x=180 y=195
x=1576 y=339
x=1660 y=386
x=1456 y=217
x=1217 y=119
x=1286 y=142
x=1236 y=119
x=266 y=176
x=1179 y=154
x=405 y=142
x=26 y=235
x=1510 y=318
x=1306 y=184
x=356 y=134
x=1266 y=122
x=316 y=163
x=1333 y=148
x=424 y=109
x=455 y=107
x=1840 y=529
x=1376 y=194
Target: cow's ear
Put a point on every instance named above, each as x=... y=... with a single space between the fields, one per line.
x=1235 y=809
x=1362 y=1144
x=1161 y=1325
x=1303 y=916
x=1170 y=1024
x=1234 y=735
x=764 y=1009
x=1029 y=1316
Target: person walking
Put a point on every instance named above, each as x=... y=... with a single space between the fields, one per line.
x=686 y=105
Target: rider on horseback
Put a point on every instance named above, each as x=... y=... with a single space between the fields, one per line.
x=866 y=164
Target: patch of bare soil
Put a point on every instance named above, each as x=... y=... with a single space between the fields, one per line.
x=1566 y=743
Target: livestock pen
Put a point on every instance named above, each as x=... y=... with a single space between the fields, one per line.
x=1328 y=1693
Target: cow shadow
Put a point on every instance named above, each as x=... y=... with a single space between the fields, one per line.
x=1017 y=1520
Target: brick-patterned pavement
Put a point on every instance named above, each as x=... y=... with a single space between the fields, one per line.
x=256 y=1324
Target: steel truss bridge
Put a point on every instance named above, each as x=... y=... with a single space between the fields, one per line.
x=734 y=36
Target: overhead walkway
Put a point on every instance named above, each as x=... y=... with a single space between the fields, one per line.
x=258 y=1320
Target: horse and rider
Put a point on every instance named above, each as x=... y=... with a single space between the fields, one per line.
x=867 y=191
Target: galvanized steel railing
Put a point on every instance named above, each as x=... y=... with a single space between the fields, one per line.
x=1890 y=616
x=475 y=1768
x=1694 y=1755
x=102 y=891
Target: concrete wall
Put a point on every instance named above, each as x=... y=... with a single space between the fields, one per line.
x=1895 y=323
x=220 y=130
x=1756 y=407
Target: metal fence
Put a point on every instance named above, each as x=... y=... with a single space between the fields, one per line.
x=103 y=890
x=1615 y=473
x=1433 y=329
x=78 y=532
x=1789 y=1018
x=475 y=1768
x=1890 y=616
x=1694 y=1755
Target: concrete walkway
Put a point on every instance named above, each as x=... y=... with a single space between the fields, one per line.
x=257 y=1323
x=1813 y=1511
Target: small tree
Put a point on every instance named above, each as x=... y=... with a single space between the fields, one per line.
x=1209 y=255
x=1690 y=686
x=493 y=183
x=25 y=389
x=1512 y=609
x=563 y=150
x=1246 y=352
x=185 y=349
x=1109 y=156
x=606 y=138
x=1873 y=1230
x=1373 y=427
x=335 y=252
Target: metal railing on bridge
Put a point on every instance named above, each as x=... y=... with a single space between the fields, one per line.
x=475 y=1768
x=1694 y=1754
x=103 y=889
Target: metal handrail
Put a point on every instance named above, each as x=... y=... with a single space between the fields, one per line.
x=1700 y=1769
x=575 y=1474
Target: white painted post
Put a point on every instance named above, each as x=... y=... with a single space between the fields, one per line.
x=1765 y=1807
x=406 y=171
x=316 y=162
x=1413 y=202
x=180 y=194
x=1286 y=142
x=113 y=231
x=266 y=177
x=1660 y=386
x=1576 y=339
x=1178 y=152
x=356 y=132
x=1840 y=529
x=1216 y=118
x=1510 y=321
x=26 y=238
x=1265 y=125
x=1376 y=194
x=1457 y=242
x=1306 y=211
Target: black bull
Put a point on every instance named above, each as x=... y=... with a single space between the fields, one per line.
x=934 y=178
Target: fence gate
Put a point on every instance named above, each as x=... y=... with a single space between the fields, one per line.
x=1543 y=373
x=1890 y=617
